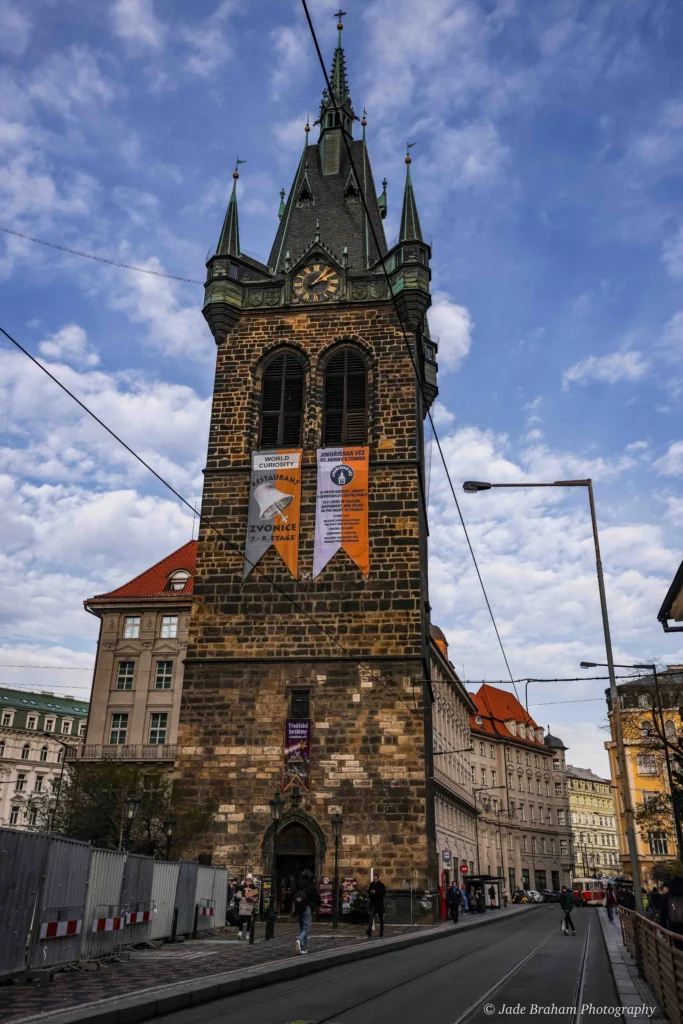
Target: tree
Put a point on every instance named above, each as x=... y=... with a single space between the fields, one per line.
x=91 y=807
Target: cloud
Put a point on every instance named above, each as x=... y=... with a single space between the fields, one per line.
x=72 y=82
x=208 y=43
x=134 y=21
x=672 y=255
x=15 y=29
x=472 y=155
x=442 y=416
x=292 y=52
x=610 y=369
x=70 y=344
x=671 y=463
x=453 y=326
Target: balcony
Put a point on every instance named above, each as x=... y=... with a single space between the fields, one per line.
x=127 y=752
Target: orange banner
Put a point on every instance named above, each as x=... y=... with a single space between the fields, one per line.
x=341 y=517
x=274 y=507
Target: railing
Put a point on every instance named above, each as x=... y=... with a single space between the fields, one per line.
x=658 y=954
x=128 y=752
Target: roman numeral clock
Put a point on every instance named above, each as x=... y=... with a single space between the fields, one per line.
x=317 y=282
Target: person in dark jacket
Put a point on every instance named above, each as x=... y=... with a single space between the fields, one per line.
x=567 y=904
x=453 y=901
x=654 y=899
x=305 y=898
x=376 y=892
x=610 y=902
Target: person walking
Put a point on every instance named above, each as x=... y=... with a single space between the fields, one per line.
x=247 y=899
x=453 y=901
x=464 y=903
x=567 y=904
x=655 y=902
x=610 y=902
x=376 y=892
x=305 y=898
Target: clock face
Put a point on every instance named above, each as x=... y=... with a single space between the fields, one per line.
x=316 y=282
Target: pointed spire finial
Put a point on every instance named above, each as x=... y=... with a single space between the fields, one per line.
x=236 y=172
x=364 y=121
x=229 y=242
x=409 y=146
x=410 y=222
x=281 y=210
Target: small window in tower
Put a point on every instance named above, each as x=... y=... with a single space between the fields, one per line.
x=282 y=401
x=300 y=704
x=345 y=399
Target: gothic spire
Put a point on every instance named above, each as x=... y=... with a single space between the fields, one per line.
x=229 y=242
x=410 y=222
x=339 y=83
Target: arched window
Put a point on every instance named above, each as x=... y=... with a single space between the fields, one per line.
x=178 y=579
x=345 y=399
x=43 y=753
x=25 y=751
x=670 y=731
x=282 y=401
x=2 y=748
x=646 y=729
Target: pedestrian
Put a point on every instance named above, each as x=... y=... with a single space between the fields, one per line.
x=654 y=902
x=610 y=902
x=674 y=910
x=664 y=907
x=453 y=901
x=464 y=902
x=481 y=902
x=376 y=892
x=248 y=895
x=306 y=896
x=492 y=895
x=567 y=904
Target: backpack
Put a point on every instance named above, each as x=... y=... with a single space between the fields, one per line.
x=301 y=900
x=675 y=909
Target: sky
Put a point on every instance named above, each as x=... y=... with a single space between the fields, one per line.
x=547 y=171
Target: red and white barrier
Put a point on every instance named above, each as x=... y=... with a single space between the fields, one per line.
x=107 y=924
x=138 y=916
x=58 y=929
x=207 y=911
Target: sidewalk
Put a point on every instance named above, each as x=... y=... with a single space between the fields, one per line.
x=174 y=977
x=633 y=990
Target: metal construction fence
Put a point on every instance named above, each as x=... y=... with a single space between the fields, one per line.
x=658 y=954
x=61 y=900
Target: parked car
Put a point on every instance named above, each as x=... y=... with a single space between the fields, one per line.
x=549 y=895
x=535 y=896
x=520 y=896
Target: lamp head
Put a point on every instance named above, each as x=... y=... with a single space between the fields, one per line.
x=131 y=805
x=277 y=805
x=337 y=823
x=472 y=486
x=589 y=664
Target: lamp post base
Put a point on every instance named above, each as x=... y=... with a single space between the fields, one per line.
x=270 y=927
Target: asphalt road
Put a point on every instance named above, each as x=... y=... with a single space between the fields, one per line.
x=499 y=972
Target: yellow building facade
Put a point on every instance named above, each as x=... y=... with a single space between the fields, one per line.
x=593 y=818
x=646 y=765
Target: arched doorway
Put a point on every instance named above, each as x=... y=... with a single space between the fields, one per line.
x=295 y=850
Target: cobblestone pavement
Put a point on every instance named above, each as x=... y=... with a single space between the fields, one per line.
x=171 y=963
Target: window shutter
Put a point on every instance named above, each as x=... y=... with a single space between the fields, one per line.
x=282 y=400
x=345 y=397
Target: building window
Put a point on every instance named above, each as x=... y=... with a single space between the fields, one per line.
x=169 y=627
x=7 y=717
x=560 y=818
x=538 y=786
x=543 y=849
x=49 y=725
x=558 y=789
x=14 y=816
x=483 y=776
x=81 y=728
x=66 y=727
x=32 y=722
x=43 y=753
x=527 y=758
x=164 y=675
x=39 y=783
x=282 y=401
x=345 y=398
x=535 y=760
x=178 y=580
x=547 y=788
x=522 y=812
x=492 y=752
x=300 y=704
x=518 y=756
x=533 y=844
x=158 y=723
x=119 y=728
x=557 y=764
x=131 y=627
x=124 y=676
x=493 y=777
x=564 y=847
x=32 y=815
x=647 y=764
x=525 y=844
x=21 y=782
x=25 y=752
x=2 y=748
x=532 y=812
x=659 y=844
x=670 y=731
x=508 y=754
x=481 y=750
x=529 y=785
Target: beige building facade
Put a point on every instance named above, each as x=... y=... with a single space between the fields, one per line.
x=138 y=678
x=594 y=826
x=520 y=786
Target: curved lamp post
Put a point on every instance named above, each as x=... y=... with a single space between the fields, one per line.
x=169 y=825
x=337 y=823
x=277 y=806
x=130 y=807
x=474 y=486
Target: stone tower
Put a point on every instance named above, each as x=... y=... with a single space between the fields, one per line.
x=311 y=355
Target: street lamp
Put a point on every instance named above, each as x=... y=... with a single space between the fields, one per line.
x=168 y=830
x=336 y=823
x=66 y=746
x=663 y=738
x=130 y=807
x=472 y=487
x=277 y=806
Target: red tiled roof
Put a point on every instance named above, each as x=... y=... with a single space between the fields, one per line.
x=153 y=582
x=496 y=707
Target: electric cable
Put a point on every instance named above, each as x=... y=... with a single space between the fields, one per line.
x=407 y=342
x=100 y=259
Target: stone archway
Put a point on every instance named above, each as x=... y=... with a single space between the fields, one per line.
x=295 y=843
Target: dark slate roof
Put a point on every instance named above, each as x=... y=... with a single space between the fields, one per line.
x=342 y=223
x=671 y=595
x=586 y=775
x=410 y=222
x=553 y=741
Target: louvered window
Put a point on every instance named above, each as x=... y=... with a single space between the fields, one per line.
x=282 y=402
x=345 y=407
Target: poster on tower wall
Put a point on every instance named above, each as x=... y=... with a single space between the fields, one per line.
x=341 y=509
x=297 y=761
x=274 y=508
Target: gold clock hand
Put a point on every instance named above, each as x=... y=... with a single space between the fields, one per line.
x=323 y=276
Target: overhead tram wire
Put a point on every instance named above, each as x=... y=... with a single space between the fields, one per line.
x=407 y=344
x=205 y=519
x=99 y=259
